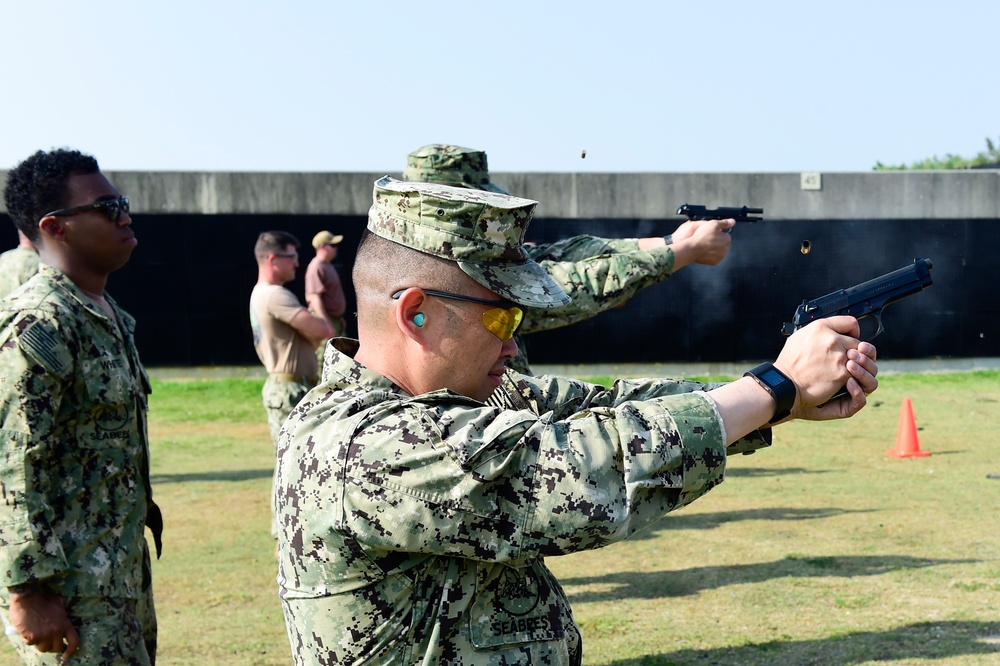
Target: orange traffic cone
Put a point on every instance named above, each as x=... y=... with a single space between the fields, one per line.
x=907 y=443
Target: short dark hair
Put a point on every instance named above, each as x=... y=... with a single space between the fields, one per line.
x=40 y=184
x=382 y=266
x=273 y=241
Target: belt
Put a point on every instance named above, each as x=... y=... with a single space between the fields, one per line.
x=295 y=379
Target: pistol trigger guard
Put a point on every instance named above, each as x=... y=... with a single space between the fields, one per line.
x=877 y=316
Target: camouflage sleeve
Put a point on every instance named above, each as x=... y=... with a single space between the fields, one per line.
x=580 y=248
x=598 y=283
x=561 y=395
x=31 y=379
x=492 y=484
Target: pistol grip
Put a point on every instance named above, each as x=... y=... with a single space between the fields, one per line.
x=837 y=396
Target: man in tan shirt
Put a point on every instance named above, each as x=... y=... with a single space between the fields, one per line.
x=285 y=333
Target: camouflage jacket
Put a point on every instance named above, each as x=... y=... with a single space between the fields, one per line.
x=598 y=273
x=16 y=267
x=73 y=443
x=412 y=529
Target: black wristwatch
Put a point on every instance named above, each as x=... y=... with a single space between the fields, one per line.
x=781 y=388
x=668 y=239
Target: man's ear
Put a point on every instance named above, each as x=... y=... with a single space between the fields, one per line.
x=410 y=316
x=52 y=226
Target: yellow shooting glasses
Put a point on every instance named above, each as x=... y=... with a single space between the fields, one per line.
x=502 y=320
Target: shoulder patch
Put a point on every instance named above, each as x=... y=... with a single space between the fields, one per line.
x=40 y=343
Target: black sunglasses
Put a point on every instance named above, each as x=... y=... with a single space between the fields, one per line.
x=112 y=209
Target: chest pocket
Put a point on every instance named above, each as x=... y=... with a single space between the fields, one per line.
x=516 y=604
x=112 y=395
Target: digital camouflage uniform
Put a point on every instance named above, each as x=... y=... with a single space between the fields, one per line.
x=74 y=467
x=16 y=267
x=598 y=273
x=279 y=398
x=413 y=529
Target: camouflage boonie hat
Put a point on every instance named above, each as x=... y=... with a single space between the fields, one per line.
x=480 y=231
x=451 y=165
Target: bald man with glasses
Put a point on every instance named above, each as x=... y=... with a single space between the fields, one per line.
x=74 y=454
x=421 y=484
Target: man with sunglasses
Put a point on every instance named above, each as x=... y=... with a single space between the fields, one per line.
x=414 y=517
x=74 y=455
x=285 y=333
x=599 y=274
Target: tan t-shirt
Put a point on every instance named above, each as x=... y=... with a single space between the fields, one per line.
x=279 y=346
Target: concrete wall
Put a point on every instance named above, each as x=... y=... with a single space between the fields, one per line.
x=885 y=195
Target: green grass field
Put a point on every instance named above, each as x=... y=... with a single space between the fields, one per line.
x=820 y=550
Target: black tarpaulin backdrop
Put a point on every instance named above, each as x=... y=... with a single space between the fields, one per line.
x=188 y=284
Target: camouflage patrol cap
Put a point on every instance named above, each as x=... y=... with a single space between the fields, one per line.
x=451 y=165
x=481 y=231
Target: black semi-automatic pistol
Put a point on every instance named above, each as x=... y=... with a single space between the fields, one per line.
x=741 y=214
x=867 y=299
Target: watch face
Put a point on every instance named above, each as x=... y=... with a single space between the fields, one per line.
x=771 y=377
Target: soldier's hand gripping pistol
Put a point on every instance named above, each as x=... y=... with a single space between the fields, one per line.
x=740 y=214
x=867 y=299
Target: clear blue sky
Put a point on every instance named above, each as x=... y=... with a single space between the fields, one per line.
x=641 y=86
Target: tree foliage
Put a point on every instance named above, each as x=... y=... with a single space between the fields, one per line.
x=950 y=161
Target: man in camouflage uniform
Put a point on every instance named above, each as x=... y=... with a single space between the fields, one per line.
x=598 y=273
x=17 y=265
x=414 y=516
x=74 y=455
